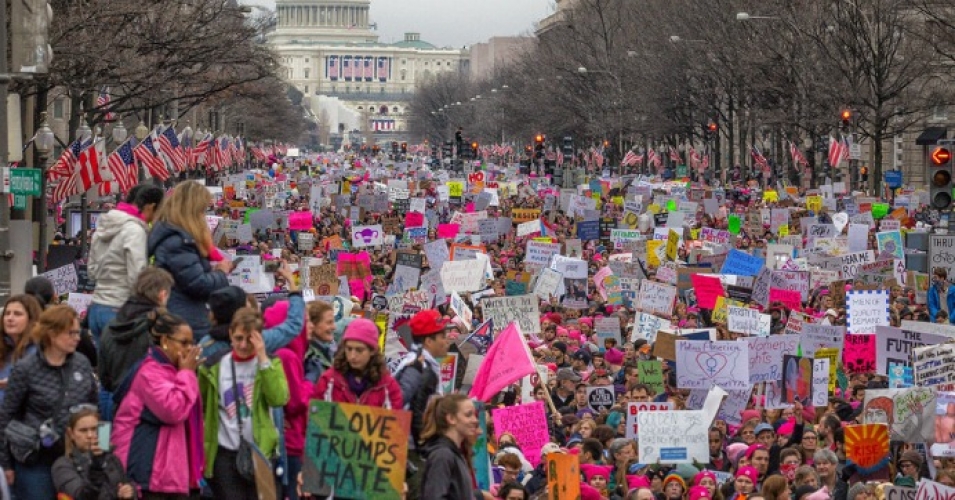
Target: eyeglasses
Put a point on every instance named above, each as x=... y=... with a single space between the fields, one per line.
x=83 y=407
x=182 y=342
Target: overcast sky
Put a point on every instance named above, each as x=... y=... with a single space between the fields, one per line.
x=452 y=22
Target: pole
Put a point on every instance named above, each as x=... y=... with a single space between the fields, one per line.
x=6 y=255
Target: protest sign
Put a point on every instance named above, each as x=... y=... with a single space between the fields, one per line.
x=890 y=242
x=656 y=298
x=607 y=328
x=633 y=409
x=528 y=424
x=815 y=336
x=741 y=263
x=523 y=309
x=672 y=437
x=600 y=397
x=449 y=371
x=64 y=279
x=539 y=253
x=563 y=475
x=462 y=276
x=747 y=321
x=704 y=364
x=707 y=289
x=80 y=302
x=797 y=379
x=766 y=356
x=355 y=451
x=858 y=356
x=930 y=490
x=404 y=278
x=865 y=310
x=548 y=284
x=651 y=373
x=323 y=279
x=820 y=382
x=934 y=365
x=646 y=327
x=867 y=445
x=367 y=236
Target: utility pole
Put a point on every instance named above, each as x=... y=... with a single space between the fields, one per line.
x=6 y=254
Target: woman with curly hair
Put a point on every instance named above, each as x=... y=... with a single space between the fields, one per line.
x=358 y=374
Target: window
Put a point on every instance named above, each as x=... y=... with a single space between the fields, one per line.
x=394 y=109
x=404 y=62
x=58 y=105
x=382 y=90
x=306 y=89
x=347 y=90
x=403 y=74
x=306 y=73
x=306 y=59
x=940 y=113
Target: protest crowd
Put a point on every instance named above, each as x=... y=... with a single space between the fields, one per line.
x=330 y=326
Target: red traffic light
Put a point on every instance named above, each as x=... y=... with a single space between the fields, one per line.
x=941 y=156
x=539 y=138
x=846 y=115
x=941 y=178
x=712 y=127
x=474 y=145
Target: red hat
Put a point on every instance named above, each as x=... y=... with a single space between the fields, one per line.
x=427 y=322
x=591 y=470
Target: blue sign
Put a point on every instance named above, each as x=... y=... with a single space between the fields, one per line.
x=742 y=264
x=667 y=454
x=893 y=178
x=588 y=230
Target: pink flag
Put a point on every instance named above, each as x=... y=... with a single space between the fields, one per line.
x=507 y=361
x=448 y=230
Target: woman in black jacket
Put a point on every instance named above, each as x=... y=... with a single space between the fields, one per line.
x=181 y=243
x=43 y=387
x=450 y=430
x=88 y=472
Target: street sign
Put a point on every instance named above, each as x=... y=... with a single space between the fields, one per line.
x=25 y=181
x=893 y=178
x=941 y=252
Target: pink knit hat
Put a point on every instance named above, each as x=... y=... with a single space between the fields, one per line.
x=591 y=470
x=699 y=493
x=364 y=331
x=704 y=474
x=634 y=482
x=614 y=356
x=749 y=472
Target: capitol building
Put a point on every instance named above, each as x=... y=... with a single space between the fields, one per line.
x=352 y=83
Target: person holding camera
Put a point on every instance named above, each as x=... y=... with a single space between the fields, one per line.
x=43 y=387
x=89 y=471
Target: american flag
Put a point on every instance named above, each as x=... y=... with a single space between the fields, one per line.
x=599 y=157
x=333 y=68
x=705 y=162
x=91 y=166
x=146 y=153
x=65 y=187
x=759 y=159
x=200 y=152
x=798 y=157
x=347 y=68
x=694 y=158
x=122 y=165
x=838 y=151
x=631 y=158
x=384 y=68
x=171 y=149
x=369 y=72
x=66 y=164
x=675 y=156
x=653 y=158
x=102 y=102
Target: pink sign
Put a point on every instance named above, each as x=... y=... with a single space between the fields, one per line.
x=791 y=299
x=708 y=289
x=469 y=207
x=858 y=355
x=528 y=424
x=448 y=230
x=414 y=219
x=300 y=221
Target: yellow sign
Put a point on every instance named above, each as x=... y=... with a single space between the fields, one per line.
x=694 y=234
x=770 y=196
x=814 y=203
x=673 y=245
x=653 y=208
x=720 y=310
x=519 y=215
x=631 y=219
x=832 y=353
x=618 y=200
x=455 y=189
x=653 y=259
x=346 y=187
x=783 y=230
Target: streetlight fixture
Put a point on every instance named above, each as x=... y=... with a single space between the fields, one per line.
x=44 y=138
x=141 y=131
x=119 y=132
x=43 y=142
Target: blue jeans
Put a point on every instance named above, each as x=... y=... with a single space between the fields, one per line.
x=294 y=466
x=105 y=405
x=98 y=316
x=33 y=482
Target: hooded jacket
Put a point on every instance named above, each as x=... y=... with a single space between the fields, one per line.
x=117 y=255
x=177 y=252
x=124 y=342
x=81 y=476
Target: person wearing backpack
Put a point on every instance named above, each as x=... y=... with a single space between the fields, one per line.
x=419 y=375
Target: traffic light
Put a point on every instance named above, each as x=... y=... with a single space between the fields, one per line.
x=711 y=130
x=940 y=173
x=846 y=117
x=394 y=148
x=539 y=146
x=567 y=149
x=474 y=150
x=404 y=148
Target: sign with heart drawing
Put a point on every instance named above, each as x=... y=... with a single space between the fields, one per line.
x=702 y=364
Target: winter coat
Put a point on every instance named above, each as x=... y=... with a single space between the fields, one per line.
x=332 y=386
x=217 y=343
x=124 y=342
x=935 y=302
x=296 y=410
x=83 y=476
x=175 y=251
x=36 y=389
x=418 y=383
x=448 y=475
x=270 y=390
x=117 y=255
x=157 y=432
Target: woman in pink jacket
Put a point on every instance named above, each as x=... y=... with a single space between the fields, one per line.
x=157 y=432
x=358 y=374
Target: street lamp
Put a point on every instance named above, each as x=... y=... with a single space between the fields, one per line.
x=43 y=142
x=44 y=138
x=745 y=16
x=119 y=132
x=141 y=131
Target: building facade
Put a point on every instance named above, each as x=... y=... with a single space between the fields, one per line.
x=353 y=83
x=488 y=58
